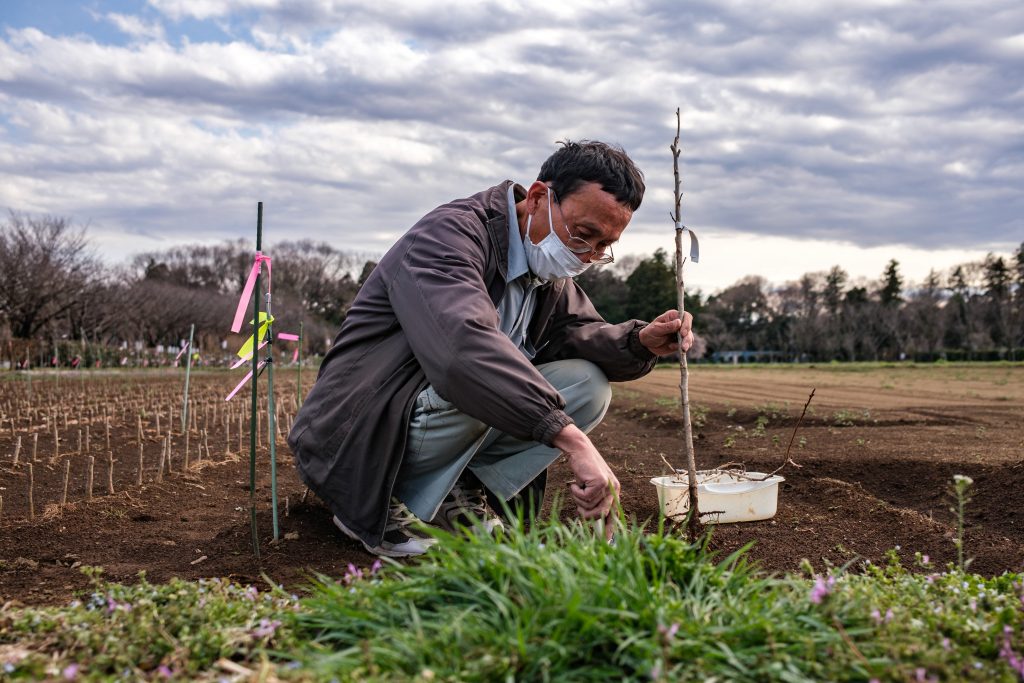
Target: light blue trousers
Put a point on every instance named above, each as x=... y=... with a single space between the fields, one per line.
x=443 y=442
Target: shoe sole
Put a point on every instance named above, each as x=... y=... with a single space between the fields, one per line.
x=379 y=551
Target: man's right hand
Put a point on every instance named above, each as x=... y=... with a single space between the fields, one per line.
x=596 y=487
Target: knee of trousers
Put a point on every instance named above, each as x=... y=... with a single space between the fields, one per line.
x=584 y=387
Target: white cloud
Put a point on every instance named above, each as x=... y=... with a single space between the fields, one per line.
x=846 y=122
x=136 y=27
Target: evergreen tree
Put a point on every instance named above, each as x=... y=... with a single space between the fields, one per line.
x=892 y=284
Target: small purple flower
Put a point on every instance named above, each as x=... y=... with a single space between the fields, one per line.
x=267 y=628
x=165 y=671
x=352 y=574
x=376 y=567
x=925 y=559
x=668 y=633
x=946 y=645
x=822 y=587
x=1014 y=660
x=70 y=672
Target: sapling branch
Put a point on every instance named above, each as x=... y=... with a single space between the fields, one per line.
x=792 y=437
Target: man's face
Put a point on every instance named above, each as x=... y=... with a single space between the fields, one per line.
x=589 y=213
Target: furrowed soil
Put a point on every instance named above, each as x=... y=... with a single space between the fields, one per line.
x=877 y=452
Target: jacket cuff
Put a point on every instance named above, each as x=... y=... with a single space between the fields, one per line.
x=548 y=428
x=634 y=345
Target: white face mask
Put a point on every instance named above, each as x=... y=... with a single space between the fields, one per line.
x=551 y=259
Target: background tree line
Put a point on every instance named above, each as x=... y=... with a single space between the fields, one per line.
x=58 y=299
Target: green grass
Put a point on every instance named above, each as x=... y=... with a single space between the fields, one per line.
x=553 y=602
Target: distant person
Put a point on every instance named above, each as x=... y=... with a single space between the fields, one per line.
x=470 y=359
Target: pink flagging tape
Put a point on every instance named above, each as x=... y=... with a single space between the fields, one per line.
x=295 y=354
x=250 y=283
x=183 y=349
x=245 y=379
x=246 y=357
x=287 y=336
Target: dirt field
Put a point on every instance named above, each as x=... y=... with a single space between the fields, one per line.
x=878 y=450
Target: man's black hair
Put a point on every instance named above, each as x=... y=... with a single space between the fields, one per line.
x=589 y=161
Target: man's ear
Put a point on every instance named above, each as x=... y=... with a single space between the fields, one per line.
x=535 y=195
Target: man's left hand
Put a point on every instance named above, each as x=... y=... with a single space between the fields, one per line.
x=660 y=336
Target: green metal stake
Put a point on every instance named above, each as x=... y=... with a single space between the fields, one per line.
x=298 y=390
x=272 y=427
x=255 y=364
x=188 y=372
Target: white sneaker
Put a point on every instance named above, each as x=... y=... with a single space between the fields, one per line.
x=465 y=507
x=400 y=540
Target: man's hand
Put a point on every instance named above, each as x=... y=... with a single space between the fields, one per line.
x=660 y=336
x=596 y=487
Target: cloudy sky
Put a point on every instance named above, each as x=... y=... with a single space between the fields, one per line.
x=814 y=133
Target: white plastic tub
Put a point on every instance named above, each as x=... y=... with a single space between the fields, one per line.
x=722 y=496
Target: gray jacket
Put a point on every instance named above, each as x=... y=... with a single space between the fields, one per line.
x=428 y=314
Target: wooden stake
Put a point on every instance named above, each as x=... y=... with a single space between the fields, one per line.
x=89 y=478
x=158 y=423
x=17 y=450
x=170 y=461
x=139 y=429
x=138 y=479
x=185 y=466
x=35 y=445
x=79 y=441
x=87 y=439
x=56 y=444
x=108 y=433
x=67 y=479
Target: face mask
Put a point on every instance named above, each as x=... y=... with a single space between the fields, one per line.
x=551 y=259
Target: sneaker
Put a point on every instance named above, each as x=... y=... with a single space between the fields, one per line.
x=465 y=507
x=400 y=540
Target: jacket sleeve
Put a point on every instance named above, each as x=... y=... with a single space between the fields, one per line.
x=437 y=289
x=579 y=331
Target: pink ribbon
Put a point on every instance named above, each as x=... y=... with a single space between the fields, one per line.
x=246 y=358
x=250 y=283
x=287 y=336
x=295 y=354
x=245 y=379
x=181 y=352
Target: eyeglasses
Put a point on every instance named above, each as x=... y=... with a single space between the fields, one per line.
x=580 y=246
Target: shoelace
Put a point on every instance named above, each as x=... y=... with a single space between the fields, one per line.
x=472 y=500
x=399 y=517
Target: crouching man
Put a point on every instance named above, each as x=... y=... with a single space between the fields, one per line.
x=470 y=359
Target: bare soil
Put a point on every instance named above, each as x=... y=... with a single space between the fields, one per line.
x=877 y=451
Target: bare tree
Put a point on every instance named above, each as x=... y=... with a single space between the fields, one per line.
x=46 y=265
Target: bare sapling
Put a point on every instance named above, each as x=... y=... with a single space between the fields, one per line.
x=108 y=433
x=138 y=477
x=110 y=473
x=31 y=490
x=170 y=460
x=67 y=480
x=80 y=442
x=88 y=440
x=35 y=445
x=89 y=478
x=163 y=459
x=693 y=521
x=56 y=445
x=139 y=429
x=17 y=451
x=184 y=467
